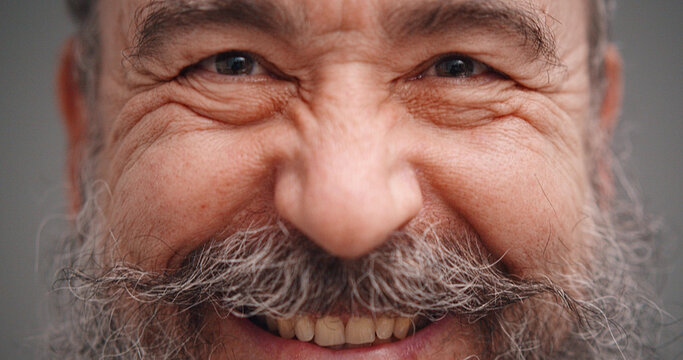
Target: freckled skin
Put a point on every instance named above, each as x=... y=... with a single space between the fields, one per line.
x=352 y=151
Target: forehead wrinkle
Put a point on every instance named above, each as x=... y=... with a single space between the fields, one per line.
x=158 y=21
x=438 y=17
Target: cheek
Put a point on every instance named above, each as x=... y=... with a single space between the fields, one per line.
x=185 y=186
x=521 y=193
x=183 y=162
x=508 y=161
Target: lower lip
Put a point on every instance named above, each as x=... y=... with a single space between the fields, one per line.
x=281 y=348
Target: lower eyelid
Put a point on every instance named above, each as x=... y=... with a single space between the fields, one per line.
x=200 y=74
x=435 y=82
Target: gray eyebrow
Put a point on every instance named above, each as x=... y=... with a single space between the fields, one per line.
x=156 y=22
x=491 y=15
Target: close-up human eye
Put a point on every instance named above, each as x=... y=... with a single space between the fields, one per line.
x=233 y=63
x=457 y=66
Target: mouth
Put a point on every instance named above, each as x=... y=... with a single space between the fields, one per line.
x=342 y=332
x=339 y=337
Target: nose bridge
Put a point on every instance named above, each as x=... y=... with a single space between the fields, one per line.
x=351 y=127
x=348 y=188
x=351 y=99
x=347 y=138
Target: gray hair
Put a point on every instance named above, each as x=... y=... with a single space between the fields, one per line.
x=274 y=270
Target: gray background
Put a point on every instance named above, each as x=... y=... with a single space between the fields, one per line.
x=32 y=147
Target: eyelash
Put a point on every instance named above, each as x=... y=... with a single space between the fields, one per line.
x=430 y=68
x=433 y=68
x=211 y=63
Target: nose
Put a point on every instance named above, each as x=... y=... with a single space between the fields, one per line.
x=348 y=188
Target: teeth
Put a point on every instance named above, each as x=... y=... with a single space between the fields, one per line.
x=360 y=330
x=304 y=329
x=401 y=327
x=286 y=328
x=385 y=327
x=329 y=331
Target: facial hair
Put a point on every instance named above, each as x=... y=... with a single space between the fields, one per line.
x=126 y=312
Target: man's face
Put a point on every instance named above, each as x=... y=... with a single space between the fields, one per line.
x=346 y=122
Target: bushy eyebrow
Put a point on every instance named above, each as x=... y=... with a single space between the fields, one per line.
x=495 y=16
x=157 y=22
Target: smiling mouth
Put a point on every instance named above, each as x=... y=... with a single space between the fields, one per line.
x=342 y=332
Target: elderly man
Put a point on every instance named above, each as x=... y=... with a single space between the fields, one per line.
x=346 y=179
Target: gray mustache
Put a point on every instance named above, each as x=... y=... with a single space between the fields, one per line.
x=279 y=273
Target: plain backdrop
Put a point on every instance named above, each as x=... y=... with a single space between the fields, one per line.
x=32 y=148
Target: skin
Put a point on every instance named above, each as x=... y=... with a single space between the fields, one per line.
x=354 y=149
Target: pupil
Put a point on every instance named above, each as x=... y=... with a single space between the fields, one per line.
x=234 y=64
x=455 y=68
